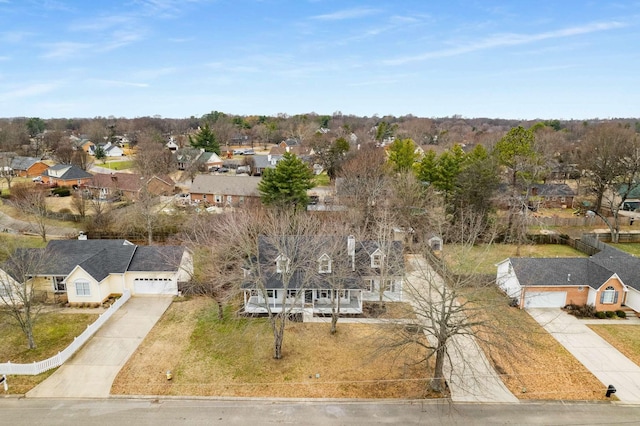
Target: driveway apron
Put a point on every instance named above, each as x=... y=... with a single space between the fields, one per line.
x=90 y=373
x=596 y=354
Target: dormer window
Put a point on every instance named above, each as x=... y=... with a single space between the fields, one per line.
x=376 y=259
x=324 y=264
x=282 y=264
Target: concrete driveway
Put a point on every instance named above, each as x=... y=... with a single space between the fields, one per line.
x=470 y=376
x=90 y=373
x=603 y=360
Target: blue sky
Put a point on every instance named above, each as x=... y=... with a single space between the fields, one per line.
x=179 y=58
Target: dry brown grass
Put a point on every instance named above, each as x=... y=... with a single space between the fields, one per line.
x=625 y=338
x=532 y=364
x=235 y=359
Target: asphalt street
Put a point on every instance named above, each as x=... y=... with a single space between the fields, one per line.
x=16 y=411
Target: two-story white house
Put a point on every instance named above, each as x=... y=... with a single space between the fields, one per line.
x=336 y=273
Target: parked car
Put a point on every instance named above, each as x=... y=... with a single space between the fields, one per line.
x=243 y=169
x=238 y=152
x=249 y=152
x=219 y=169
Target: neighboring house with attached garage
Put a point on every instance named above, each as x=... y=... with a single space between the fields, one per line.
x=129 y=185
x=608 y=280
x=343 y=269
x=225 y=191
x=90 y=271
x=66 y=175
x=28 y=166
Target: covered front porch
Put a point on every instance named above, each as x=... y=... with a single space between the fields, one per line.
x=320 y=301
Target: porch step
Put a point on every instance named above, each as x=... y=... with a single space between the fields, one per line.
x=630 y=312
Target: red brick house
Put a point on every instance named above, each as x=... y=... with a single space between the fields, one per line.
x=66 y=175
x=225 y=191
x=28 y=166
x=606 y=280
x=129 y=185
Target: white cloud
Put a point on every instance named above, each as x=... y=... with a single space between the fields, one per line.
x=29 y=90
x=166 y=8
x=14 y=36
x=501 y=40
x=64 y=49
x=346 y=14
x=153 y=73
x=118 y=83
x=122 y=38
x=102 y=23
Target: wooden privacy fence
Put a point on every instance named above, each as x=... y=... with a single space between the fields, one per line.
x=61 y=357
x=578 y=221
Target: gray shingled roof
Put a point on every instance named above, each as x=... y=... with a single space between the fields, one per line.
x=226 y=185
x=554 y=190
x=268 y=255
x=593 y=271
x=103 y=257
x=69 y=253
x=105 y=262
x=23 y=163
x=156 y=258
x=72 y=172
x=262 y=162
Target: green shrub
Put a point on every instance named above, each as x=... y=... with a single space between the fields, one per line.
x=581 y=311
x=621 y=313
x=601 y=315
x=61 y=191
x=610 y=314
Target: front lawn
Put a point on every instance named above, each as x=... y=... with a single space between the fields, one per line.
x=532 y=364
x=625 y=338
x=481 y=259
x=118 y=165
x=234 y=358
x=53 y=332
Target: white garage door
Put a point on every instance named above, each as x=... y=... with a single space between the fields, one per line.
x=154 y=286
x=545 y=299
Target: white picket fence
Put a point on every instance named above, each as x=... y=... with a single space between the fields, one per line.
x=59 y=359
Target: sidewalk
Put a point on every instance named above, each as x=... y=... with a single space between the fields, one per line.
x=470 y=376
x=90 y=373
x=603 y=360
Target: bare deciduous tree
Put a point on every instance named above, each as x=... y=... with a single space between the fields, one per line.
x=281 y=262
x=81 y=159
x=80 y=203
x=218 y=260
x=151 y=156
x=364 y=184
x=31 y=200
x=6 y=172
x=451 y=310
x=611 y=159
x=19 y=297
